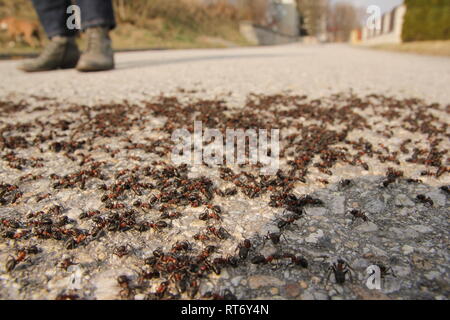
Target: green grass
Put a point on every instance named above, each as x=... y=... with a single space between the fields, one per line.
x=437 y=48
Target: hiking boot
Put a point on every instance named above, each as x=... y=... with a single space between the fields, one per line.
x=60 y=53
x=99 y=55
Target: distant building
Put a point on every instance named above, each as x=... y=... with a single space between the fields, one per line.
x=391 y=29
x=313 y=18
x=283 y=17
x=281 y=26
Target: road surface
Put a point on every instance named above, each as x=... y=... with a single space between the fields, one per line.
x=92 y=207
x=312 y=70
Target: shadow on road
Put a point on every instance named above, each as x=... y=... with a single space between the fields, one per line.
x=153 y=62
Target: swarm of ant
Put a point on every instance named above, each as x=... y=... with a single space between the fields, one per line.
x=148 y=194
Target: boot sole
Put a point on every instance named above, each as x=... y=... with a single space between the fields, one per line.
x=63 y=67
x=94 y=69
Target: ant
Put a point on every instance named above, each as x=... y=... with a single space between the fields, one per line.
x=124 y=283
x=391 y=175
x=121 y=251
x=66 y=263
x=227 y=295
x=193 y=288
x=216 y=209
x=201 y=237
x=358 y=214
x=206 y=253
x=72 y=243
x=220 y=233
x=340 y=270
x=288 y=220
x=12 y=261
x=181 y=246
x=161 y=290
x=244 y=248
x=170 y=215
x=445 y=189
x=297 y=260
x=63 y=296
x=259 y=259
x=230 y=192
x=206 y=215
x=158 y=225
x=385 y=270
x=218 y=263
x=345 y=183
x=274 y=237
x=424 y=199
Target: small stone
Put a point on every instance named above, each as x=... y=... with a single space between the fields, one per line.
x=274 y=291
x=292 y=290
x=258 y=281
x=432 y=275
x=315 y=280
x=351 y=244
x=402 y=271
x=316 y=211
x=402 y=200
x=421 y=228
x=303 y=284
x=367 y=227
x=236 y=280
x=438 y=198
x=421 y=263
x=314 y=237
x=338 y=205
x=320 y=296
x=404 y=233
x=366 y=294
x=375 y=206
x=407 y=249
x=307 y=296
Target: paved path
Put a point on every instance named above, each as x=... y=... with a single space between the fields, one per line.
x=96 y=186
x=312 y=70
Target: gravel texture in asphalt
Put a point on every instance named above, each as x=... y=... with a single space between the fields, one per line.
x=312 y=70
x=92 y=207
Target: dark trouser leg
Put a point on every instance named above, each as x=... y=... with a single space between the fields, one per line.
x=53 y=16
x=97 y=13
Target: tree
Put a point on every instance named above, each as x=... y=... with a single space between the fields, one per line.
x=343 y=17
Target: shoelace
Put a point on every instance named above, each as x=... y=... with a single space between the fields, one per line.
x=93 y=44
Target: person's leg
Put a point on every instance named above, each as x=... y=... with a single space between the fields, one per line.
x=97 y=19
x=96 y=13
x=53 y=17
x=62 y=51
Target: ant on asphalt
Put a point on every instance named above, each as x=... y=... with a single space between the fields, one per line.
x=340 y=269
x=244 y=247
x=275 y=237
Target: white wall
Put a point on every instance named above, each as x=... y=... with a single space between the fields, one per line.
x=396 y=16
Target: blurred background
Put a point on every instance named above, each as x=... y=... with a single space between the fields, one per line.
x=421 y=26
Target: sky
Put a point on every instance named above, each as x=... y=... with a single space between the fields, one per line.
x=385 y=5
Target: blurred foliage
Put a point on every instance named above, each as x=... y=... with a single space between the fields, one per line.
x=191 y=14
x=162 y=23
x=426 y=20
